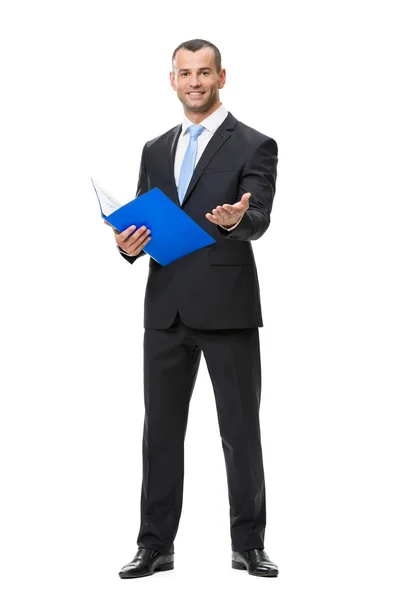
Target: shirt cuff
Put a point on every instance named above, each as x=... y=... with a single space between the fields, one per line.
x=234 y=226
x=123 y=252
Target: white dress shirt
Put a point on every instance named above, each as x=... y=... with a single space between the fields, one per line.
x=211 y=124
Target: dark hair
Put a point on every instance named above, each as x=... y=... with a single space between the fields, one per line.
x=194 y=45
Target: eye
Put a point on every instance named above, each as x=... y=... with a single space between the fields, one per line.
x=205 y=72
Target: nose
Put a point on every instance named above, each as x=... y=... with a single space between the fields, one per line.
x=194 y=80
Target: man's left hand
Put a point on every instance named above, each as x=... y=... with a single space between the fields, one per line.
x=228 y=215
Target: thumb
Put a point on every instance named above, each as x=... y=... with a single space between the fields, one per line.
x=245 y=199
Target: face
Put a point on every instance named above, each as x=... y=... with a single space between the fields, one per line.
x=197 y=82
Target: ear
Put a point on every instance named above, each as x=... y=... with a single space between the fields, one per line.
x=222 y=78
x=172 y=80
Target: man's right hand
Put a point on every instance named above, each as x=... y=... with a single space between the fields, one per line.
x=130 y=241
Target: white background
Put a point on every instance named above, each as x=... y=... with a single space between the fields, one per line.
x=84 y=85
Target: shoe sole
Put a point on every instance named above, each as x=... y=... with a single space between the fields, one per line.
x=166 y=567
x=241 y=567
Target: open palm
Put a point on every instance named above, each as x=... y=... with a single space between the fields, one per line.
x=228 y=215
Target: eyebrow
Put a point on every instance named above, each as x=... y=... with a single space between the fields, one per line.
x=201 y=69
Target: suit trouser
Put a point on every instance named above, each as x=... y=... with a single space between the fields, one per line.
x=171 y=362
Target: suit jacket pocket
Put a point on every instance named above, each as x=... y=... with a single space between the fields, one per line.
x=233 y=258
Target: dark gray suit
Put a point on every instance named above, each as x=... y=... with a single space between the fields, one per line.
x=207 y=302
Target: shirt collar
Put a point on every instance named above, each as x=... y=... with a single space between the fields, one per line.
x=211 y=123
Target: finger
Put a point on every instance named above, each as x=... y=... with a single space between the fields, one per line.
x=221 y=209
x=231 y=210
x=126 y=233
x=245 y=198
x=137 y=250
x=222 y=212
x=145 y=242
x=228 y=212
x=211 y=218
x=232 y=215
x=137 y=239
x=218 y=220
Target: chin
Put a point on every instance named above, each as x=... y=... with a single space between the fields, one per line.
x=197 y=106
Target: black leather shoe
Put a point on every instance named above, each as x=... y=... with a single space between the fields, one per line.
x=256 y=562
x=146 y=562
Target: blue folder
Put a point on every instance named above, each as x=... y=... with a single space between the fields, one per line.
x=173 y=233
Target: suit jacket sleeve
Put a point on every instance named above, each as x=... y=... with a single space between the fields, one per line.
x=258 y=178
x=142 y=188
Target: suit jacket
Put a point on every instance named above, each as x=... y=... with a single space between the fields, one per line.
x=215 y=287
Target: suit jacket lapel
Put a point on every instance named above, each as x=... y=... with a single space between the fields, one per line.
x=172 y=143
x=221 y=135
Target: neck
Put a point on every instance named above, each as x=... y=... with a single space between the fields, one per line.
x=197 y=117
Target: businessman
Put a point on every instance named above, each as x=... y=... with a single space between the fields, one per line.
x=222 y=173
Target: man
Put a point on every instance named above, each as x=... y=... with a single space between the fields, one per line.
x=222 y=173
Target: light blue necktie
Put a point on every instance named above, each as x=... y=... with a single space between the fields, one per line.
x=189 y=160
